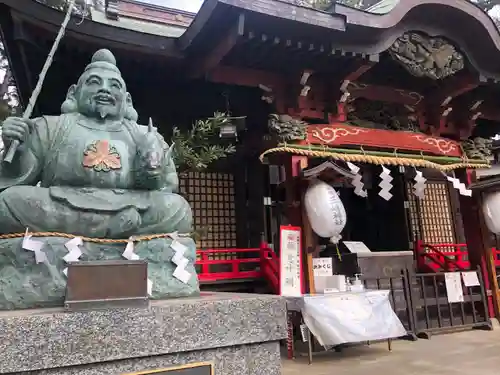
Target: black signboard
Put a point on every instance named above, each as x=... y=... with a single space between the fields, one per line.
x=191 y=369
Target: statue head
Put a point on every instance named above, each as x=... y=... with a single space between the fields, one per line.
x=101 y=92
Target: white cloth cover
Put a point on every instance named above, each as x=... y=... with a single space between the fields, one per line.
x=339 y=318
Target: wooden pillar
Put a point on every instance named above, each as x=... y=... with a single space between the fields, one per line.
x=309 y=247
x=296 y=215
x=479 y=245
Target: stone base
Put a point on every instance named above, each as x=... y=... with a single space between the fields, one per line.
x=238 y=333
x=26 y=284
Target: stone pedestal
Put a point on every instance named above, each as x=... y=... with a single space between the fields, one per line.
x=26 y=284
x=238 y=333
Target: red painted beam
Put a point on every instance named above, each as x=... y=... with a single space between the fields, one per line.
x=451 y=89
x=438 y=104
x=358 y=69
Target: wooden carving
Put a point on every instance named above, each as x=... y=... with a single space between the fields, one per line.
x=425 y=56
x=285 y=128
x=478 y=148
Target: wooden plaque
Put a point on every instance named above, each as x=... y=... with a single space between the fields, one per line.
x=203 y=368
x=106 y=284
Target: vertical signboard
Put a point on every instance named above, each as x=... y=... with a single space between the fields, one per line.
x=291 y=284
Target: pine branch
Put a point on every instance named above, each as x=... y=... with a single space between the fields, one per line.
x=197 y=148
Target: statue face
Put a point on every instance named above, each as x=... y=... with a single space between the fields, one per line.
x=102 y=94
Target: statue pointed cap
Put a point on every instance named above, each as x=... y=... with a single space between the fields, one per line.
x=103 y=59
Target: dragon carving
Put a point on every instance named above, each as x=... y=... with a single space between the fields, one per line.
x=425 y=56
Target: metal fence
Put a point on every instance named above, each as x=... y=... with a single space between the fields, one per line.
x=433 y=311
x=421 y=302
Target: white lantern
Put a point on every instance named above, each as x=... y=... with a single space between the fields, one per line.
x=491 y=210
x=325 y=211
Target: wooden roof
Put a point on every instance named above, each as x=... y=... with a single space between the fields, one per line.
x=259 y=34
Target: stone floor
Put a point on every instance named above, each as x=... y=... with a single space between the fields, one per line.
x=472 y=352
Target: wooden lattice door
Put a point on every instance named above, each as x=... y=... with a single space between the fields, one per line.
x=431 y=219
x=212 y=199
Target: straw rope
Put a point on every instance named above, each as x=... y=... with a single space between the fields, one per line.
x=380 y=160
x=90 y=239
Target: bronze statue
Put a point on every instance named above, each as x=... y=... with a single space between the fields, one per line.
x=93 y=172
x=100 y=173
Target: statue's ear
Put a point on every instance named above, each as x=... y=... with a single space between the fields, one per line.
x=70 y=105
x=130 y=112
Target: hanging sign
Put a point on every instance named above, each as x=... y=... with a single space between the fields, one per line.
x=454 y=289
x=290 y=261
x=322 y=267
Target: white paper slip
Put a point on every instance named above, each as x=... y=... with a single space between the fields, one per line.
x=470 y=278
x=128 y=253
x=73 y=255
x=454 y=289
x=182 y=275
x=385 y=194
x=150 y=287
x=180 y=262
x=178 y=247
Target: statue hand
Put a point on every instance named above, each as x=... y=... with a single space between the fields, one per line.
x=16 y=128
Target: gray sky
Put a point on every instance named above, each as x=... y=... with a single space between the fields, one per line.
x=194 y=5
x=187 y=5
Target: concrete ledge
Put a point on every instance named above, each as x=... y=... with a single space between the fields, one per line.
x=214 y=323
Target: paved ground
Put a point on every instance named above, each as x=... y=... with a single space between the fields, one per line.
x=472 y=352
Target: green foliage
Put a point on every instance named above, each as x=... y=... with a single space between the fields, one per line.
x=197 y=148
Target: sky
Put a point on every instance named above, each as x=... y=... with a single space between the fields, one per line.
x=194 y=5
x=187 y=5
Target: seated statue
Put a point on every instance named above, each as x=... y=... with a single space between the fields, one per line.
x=92 y=171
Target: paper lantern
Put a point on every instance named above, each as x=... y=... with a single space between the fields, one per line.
x=491 y=210
x=325 y=211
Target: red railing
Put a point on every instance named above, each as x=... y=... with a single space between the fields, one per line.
x=239 y=264
x=442 y=257
x=438 y=257
x=270 y=266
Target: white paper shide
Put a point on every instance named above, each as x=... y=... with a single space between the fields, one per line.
x=35 y=246
x=74 y=251
x=180 y=272
x=385 y=184
x=325 y=211
x=357 y=181
x=130 y=254
x=419 y=186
